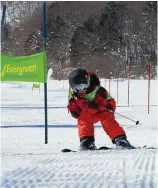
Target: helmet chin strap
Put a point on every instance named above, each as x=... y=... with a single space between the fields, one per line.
x=82 y=93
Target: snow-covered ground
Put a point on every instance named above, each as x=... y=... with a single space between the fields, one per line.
x=28 y=162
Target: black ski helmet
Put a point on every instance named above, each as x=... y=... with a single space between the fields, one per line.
x=77 y=77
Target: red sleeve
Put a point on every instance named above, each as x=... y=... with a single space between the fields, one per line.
x=112 y=104
x=73 y=108
x=100 y=99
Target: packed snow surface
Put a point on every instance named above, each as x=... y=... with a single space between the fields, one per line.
x=28 y=162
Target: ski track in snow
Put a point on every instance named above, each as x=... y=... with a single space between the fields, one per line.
x=98 y=169
x=28 y=163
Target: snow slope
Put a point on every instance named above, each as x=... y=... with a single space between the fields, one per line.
x=28 y=162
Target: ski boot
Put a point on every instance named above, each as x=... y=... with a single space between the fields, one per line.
x=122 y=143
x=87 y=143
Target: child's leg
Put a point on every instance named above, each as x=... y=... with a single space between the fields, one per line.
x=110 y=125
x=86 y=131
x=85 y=125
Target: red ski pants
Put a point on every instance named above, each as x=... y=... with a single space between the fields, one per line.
x=87 y=120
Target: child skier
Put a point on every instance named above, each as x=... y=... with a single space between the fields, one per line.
x=89 y=103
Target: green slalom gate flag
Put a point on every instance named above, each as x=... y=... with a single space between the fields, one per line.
x=30 y=68
x=36 y=85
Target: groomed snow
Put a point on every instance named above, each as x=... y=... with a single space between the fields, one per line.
x=28 y=162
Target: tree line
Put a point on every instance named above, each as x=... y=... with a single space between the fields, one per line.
x=100 y=36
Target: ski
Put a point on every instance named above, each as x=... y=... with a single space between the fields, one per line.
x=146 y=147
x=66 y=150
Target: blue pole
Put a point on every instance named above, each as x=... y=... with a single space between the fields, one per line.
x=2 y=21
x=3 y=15
x=45 y=84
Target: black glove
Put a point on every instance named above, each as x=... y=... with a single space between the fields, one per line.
x=109 y=107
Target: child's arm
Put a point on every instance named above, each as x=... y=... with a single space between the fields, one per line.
x=73 y=108
x=103 y=100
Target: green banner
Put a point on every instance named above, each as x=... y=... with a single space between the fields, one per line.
x=24 y=68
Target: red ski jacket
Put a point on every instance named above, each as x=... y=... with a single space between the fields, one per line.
x=96 y=98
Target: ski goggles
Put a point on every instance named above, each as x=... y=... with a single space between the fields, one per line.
x=80 y=87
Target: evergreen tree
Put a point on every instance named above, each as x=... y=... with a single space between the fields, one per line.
x=112 y=22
